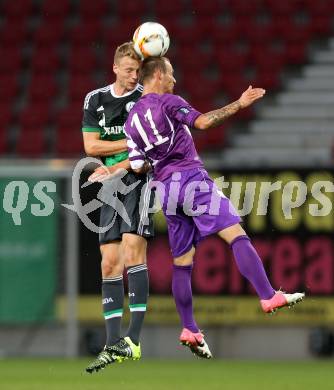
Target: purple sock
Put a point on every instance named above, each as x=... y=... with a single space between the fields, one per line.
x=181 y=287
x=251 y=267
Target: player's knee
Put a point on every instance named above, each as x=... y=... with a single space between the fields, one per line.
x=133 y=250
x=186 y=259
x=132 y=255
x=111 y=266
x=231 y=233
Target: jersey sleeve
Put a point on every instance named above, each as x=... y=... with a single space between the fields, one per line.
x=136 y=156
x=90 y=121
x=181 y=110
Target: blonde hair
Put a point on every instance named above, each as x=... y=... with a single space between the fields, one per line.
x=125 y=50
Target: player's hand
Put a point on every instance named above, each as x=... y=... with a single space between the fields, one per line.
x=250 y=96
x=100 y=174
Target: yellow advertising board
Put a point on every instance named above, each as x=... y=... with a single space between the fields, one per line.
x=215 y=311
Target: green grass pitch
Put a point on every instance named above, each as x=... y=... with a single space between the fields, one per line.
x=56 y=374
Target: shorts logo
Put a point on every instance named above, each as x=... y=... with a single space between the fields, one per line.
x=107 y=300
x=129 y=106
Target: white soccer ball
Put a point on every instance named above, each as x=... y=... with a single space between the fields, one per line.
x=151 y=40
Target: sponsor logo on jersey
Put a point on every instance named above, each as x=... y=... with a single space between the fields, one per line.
x=184 y=110
x=113 y=130
x=129 y=106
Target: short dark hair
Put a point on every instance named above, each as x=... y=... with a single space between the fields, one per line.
x=150 y=65
x=125 y=50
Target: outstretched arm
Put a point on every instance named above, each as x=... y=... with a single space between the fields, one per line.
x=103 y=172
x=217 y=117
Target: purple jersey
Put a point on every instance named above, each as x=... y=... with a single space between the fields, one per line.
x=157 y=129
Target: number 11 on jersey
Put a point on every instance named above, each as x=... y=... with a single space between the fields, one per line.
x=148 y=117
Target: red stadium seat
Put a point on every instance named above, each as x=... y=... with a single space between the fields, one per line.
x=231 y=60
x=200 y=87
x=267 y=79
x=70 y=117
x=34 y=116
x=233 y=84
x=3 y=141
x=321 y=25
x=245 y=114
x=8 y=87
x=289 y=31
x=43 y=88
x=242 y=8
x=185 y=34
x=212 y=139
x=192 y=59
x=93 y=9
x=79 y=86
x=320 y=8
x=221 y=35
x=169 y=9
x=202 y=104
x=295 y=53
x=18 y=9
x=267 y=58
x=13 y=34
x=82 y=61
x=49 y=34
x=128 y=8
x=69 y=142
x=120 y=32
x=6 y=114
x=55 y=10
x=202 y=8
x=256 y=33
x=31 y=142
x=282 y=9
x=11 y=60
x=45 y=60
x=85 y=34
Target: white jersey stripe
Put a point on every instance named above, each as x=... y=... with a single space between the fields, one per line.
x=92 y=93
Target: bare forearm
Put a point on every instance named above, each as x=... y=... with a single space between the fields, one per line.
x=217 y=117
x=105 y=148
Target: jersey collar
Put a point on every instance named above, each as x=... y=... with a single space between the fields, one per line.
x=112 y=91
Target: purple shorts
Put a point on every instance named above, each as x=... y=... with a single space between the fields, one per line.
x=194 y=208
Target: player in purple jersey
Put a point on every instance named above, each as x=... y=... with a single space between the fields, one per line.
x=157 y=130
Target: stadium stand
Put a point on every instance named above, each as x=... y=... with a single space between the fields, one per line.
x=298 y=127
x=54 y=52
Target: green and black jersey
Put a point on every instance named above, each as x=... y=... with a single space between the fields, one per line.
x=106 y=113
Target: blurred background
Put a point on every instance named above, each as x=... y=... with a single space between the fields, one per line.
x=52 y=54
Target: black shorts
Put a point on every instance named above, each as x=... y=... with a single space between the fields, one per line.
x=130 y=214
